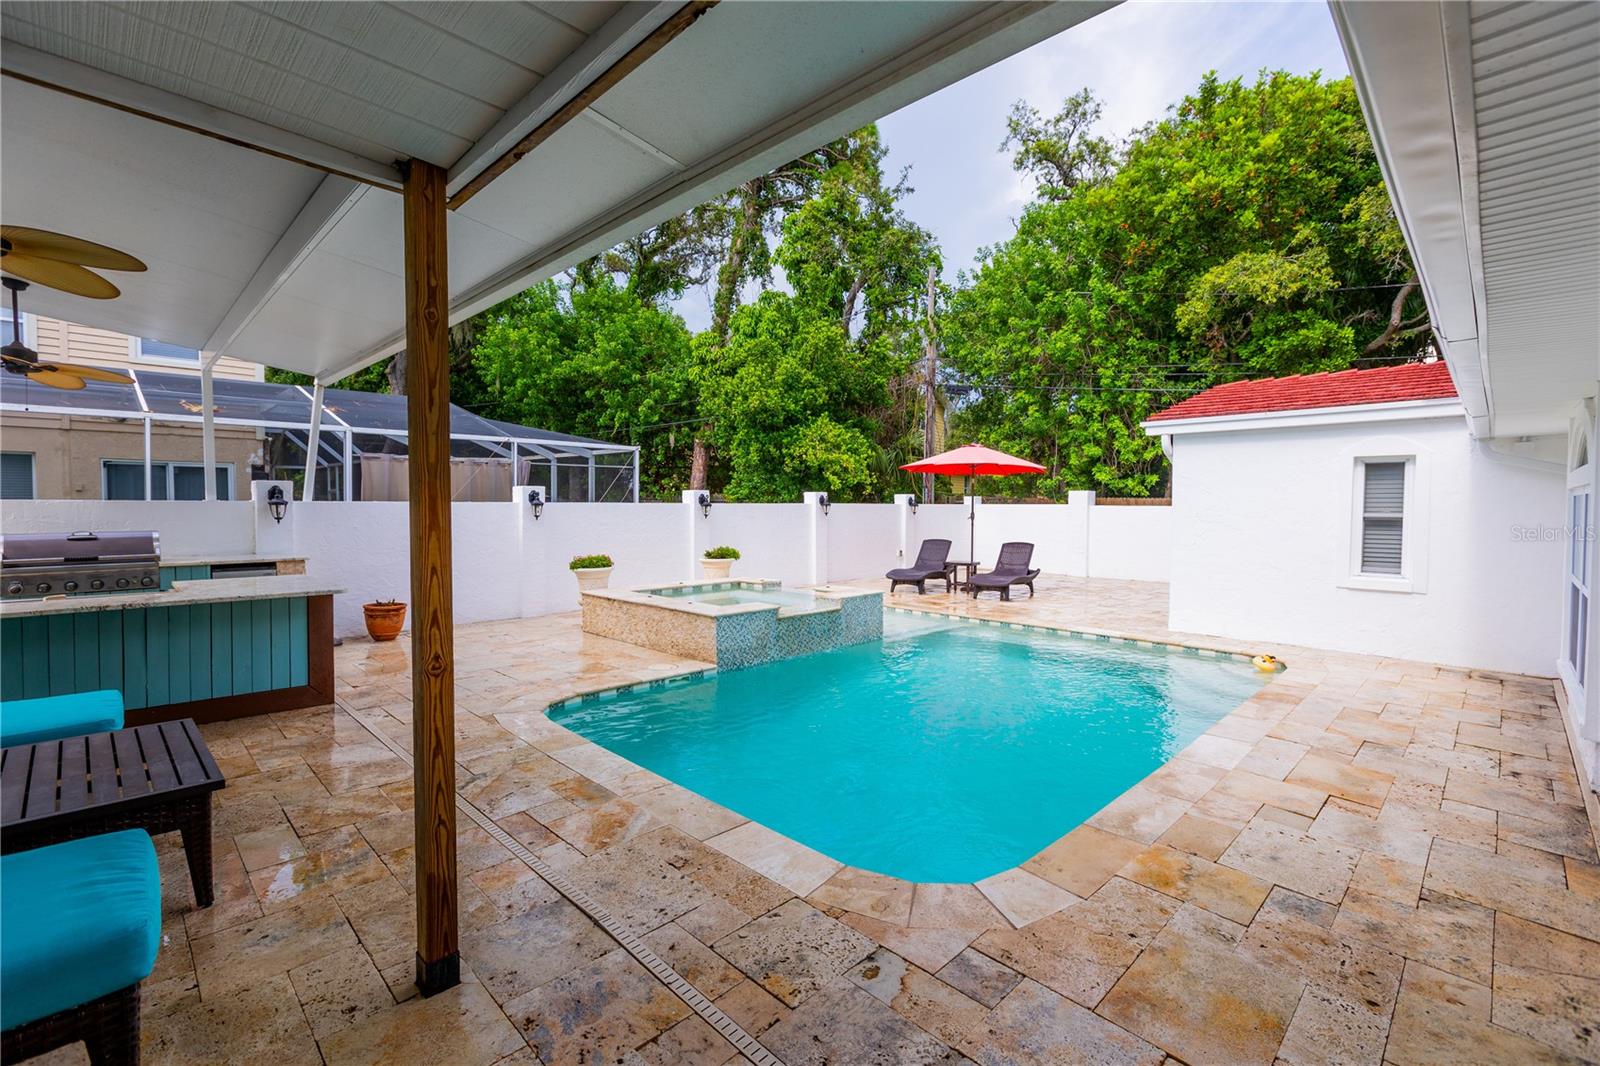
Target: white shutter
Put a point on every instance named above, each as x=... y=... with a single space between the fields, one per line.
x=1382 y=517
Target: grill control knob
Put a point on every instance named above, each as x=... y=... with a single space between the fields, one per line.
x=122 y=582
x=97 y=584
x=14 y=589
x=42 y=587
x=70 y=586
x=147 y=582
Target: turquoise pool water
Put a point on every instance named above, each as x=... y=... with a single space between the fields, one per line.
x=946 y=752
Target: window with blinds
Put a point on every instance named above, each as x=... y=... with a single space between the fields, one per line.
x=1383 y=504
x=16 y=475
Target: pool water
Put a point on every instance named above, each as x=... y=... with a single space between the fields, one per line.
x=946 y=752
x=731 y=596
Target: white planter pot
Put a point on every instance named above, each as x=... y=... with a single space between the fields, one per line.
x=716 y=569
x=593 y=577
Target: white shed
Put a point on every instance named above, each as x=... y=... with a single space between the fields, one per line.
x=1355 y=511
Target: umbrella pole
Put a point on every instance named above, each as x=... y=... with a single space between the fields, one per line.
x=972 y=521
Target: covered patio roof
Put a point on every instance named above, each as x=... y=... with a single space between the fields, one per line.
x=249 y=152
x=1486 y=117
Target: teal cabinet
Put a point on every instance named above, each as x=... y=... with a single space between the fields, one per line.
x=159 y=655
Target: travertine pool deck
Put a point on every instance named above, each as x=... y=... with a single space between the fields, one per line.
x=1369 y=861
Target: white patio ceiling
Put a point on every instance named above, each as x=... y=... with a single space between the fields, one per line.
x=1487 y=119
x=298 y=266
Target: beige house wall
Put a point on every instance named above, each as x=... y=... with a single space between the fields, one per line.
x=67 y=452
x=73 y=343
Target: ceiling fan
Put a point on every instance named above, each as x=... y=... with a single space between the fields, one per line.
x=60 y=262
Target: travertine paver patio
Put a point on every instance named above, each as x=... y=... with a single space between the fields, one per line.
x=1370 y=860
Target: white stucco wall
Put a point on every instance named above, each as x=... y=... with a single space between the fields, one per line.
x=1261 y=530
x=507 y=564
x=188 y=529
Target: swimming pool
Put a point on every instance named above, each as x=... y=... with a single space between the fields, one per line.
x=945 y=752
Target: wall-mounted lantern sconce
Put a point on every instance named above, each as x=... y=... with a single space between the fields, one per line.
x=276 y=503
x=912 y=503
x=822 y=501
x=705 y=504
x=537 y=502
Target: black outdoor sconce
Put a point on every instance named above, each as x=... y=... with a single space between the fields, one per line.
x=537 y=501
x=912 y=503
x=822 y=501
x=705 y=504
x=276 y=503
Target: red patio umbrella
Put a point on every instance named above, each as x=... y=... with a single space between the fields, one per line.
x=972 y=460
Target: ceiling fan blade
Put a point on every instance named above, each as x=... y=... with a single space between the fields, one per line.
x=94 y=373
x=44 y=244
x=56 y=379
x=53 y=274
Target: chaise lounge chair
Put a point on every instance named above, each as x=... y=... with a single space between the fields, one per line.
x=1011 y=569
x=930 y=564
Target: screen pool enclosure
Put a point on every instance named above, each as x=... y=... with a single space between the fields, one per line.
x=361 y=449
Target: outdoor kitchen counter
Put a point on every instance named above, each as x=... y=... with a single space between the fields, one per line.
x=210 y=649
x=182 y=594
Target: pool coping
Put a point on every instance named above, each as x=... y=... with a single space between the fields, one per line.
x=828 y=597
x=1017 y=895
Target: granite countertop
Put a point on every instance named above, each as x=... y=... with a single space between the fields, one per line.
x=182 y=594
x=231 y=560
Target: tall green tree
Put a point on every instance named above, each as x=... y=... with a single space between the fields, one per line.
x=591 y=359
x=1246 y=234
x=836 y=409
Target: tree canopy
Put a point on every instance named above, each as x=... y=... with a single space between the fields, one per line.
x=1247 y=234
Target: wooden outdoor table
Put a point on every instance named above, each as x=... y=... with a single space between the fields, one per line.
x=153 y=777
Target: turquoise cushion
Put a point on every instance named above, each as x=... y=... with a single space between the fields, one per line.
x=77 y=921
x=54 y=717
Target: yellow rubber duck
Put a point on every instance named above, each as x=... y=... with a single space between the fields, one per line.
x=1268 y=664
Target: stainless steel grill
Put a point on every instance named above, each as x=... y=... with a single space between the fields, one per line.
x=53 y=564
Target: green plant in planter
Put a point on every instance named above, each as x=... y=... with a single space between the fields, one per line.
x=722 y=551
x=589 y=562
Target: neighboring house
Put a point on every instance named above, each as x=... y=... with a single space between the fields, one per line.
x=90 y=443
x=1355 y=511
x=70 y=457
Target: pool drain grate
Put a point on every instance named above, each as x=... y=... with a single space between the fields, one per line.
x=731 y=1031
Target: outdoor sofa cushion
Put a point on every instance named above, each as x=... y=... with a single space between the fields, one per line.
x=54 y=717
x=78 y=921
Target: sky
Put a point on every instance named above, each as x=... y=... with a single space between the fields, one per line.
x=1139 y=58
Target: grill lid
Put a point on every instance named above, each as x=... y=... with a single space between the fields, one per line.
x=55 y=549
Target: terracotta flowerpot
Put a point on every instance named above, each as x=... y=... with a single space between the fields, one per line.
x=716 y=569
x=384 y=620
x=592 y=577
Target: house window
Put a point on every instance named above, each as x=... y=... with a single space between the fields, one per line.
x=124 y=480
x=16 y=476
x=1580 y=532
x=7 y=333
x=1383 y=515
x=150 y=350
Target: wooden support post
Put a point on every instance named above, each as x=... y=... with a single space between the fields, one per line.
x=432 y=627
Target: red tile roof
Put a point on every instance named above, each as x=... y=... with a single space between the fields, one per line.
x=1345 y=388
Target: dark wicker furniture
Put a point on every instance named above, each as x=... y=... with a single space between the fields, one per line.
x=1010 y=569
x=108 y=1026
x=153 y=777
x=931 y=564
